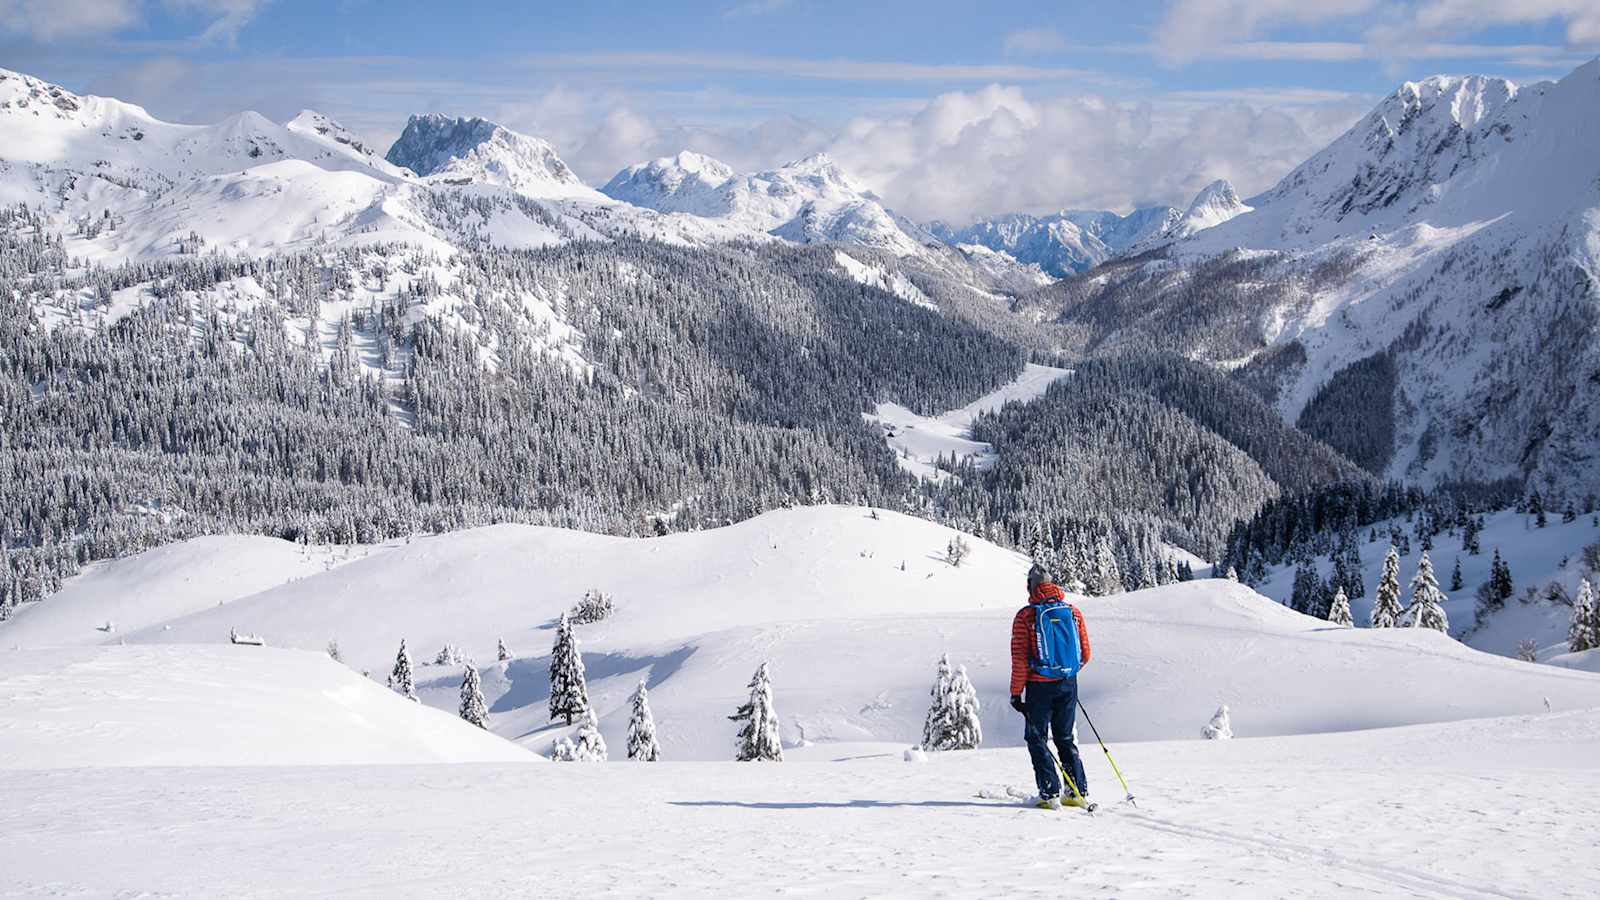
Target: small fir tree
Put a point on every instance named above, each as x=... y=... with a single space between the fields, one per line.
x=966 y=731
x=1220 y=728
x=1536 y=509
x=957 y=551
x=1584 y=632
x=758 y=739
x=1386 y=608
x=1339 y=610
x=936 y=725
x=569 y=690
x=642 y=745
x=1528 y=650
x=1456 y=583
x=400 y=677
x=1233 y=574
x=333 y=651
x=473 y=709
x=1427 y=600
x=500 y=652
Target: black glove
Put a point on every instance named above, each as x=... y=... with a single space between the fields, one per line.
x=1016 y=703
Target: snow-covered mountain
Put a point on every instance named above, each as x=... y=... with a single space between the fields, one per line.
x=475 y=151
x=1077 y=240
x=1433 y=273
x=805 y=201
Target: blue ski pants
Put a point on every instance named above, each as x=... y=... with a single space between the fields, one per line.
x=1053 y=706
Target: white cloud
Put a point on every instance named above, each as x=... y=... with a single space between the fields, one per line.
x=820 y=69
x=998 y=150
x=1581 y=17
x=1195 y=29
x=53 y=20
x=1034 y=42
x=49 y=20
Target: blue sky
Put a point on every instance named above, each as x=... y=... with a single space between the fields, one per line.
x=950 y=110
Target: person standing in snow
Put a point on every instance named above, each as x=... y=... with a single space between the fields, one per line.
x=1049 y=645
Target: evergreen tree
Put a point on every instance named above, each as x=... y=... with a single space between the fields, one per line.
x=1500 y=578
x=1107 y=577
x=966 y=732
x=1220 y=728
x=759 y=739
x=1584 y=632
x=1306 y=587
x=1427 y=600
x=1386 y=607
x=1536 y=509
x=400 y=677
x=1570 y=514
x=1339 y=609
x=501 y=653
x=1470 y=536
x=957 y=551
x=1455 y=576
x=642 y=745
x=473 y=709
x=936 y=726
x=569 y=690
x=1233 y=575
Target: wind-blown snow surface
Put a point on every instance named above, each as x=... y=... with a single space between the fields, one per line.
x=853 y=638
x=918 y=441
x=102 y=707
x=1489 y=808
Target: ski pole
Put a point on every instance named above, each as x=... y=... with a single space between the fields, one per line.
x=1107 y=750
x=1062 y=768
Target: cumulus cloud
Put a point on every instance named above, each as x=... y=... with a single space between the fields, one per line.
x=968 y=154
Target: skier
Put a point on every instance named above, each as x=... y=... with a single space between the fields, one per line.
x=1049 y=644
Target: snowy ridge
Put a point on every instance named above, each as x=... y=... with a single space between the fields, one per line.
x=805 y=201
x=462 y=151
x=696 y=613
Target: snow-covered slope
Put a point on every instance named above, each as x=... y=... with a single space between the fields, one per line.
x=1214 y=205
x=1377 y=813
x=217 y=706
x=162 y=584
x=1455 y=228
x=853 y=611
x=1538 y=557
x=807 y=200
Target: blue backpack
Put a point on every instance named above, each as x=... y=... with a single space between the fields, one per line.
x=1057 y=653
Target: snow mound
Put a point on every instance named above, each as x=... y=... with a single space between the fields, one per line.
x=217 y=706
x=159 y=585
x=853 y=613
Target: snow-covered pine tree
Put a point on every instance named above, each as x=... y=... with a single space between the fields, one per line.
x=473 y=709
x=1233 y=574
x=569 y=691
x=1582 y=633
x=966 y=731
x=758 y=739
x=1427 y=600
x=333 y=651
x=1339 y=610
x=957 y=551
x=1220 y=728
x=642 y=745
x=1456 y=583
x=500 y=652
x=1503 y=585
x=936 y=725
x=1107 y=574
x=1303 y=599
x=400 y=677
x=1386 y=609
x=586 y=746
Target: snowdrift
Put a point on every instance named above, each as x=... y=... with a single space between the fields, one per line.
x=217 y=706
x=853 y=637
x=162 y=584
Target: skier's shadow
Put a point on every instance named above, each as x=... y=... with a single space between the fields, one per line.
x=842 y=804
